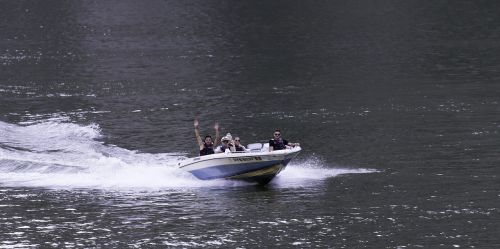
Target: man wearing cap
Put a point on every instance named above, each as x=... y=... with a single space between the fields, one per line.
x=227 y=143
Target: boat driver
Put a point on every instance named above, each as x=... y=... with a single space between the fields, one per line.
x=206 y=145
x=278 y=143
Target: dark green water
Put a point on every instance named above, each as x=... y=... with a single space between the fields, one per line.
x=395 y=104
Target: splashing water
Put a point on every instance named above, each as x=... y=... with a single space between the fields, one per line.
x=59 y=154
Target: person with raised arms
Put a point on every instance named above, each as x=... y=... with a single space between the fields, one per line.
x=206 y=145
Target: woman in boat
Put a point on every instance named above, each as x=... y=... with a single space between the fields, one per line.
x=206 y=145
x=238 y=145
x=278 y=143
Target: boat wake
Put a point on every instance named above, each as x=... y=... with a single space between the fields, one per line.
x=60 y=154
x=312 y=169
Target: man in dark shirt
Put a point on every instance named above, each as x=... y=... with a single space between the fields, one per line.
x=278 y=143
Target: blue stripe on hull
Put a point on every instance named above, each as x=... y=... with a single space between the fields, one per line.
x=229 y=170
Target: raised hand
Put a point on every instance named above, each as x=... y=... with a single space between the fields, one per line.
x=216 y=126
x=195 y=123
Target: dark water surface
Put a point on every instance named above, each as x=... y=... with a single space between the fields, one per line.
x=395 y=103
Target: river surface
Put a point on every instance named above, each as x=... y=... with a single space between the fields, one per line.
x=395 y=104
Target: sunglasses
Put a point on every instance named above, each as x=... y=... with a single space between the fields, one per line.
x=237 y=140
x=277 y=134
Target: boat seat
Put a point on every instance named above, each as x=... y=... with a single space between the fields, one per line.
x=255 y=147
x=265 y=147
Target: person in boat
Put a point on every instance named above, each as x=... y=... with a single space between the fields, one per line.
x=278 y=143
x=227 y=143
x=237 y=145
x=207 y=144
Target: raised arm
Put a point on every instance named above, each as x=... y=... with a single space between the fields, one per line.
x=197 y=133
x=217 y=134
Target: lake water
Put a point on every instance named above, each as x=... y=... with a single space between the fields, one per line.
x=395 y=104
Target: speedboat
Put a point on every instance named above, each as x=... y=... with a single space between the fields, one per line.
x=256 y=164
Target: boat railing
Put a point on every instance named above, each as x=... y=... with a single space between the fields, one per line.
x=254 y=147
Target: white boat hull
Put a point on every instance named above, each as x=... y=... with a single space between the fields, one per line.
x=259 y=167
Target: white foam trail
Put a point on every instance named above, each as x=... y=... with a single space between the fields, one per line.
x=59 y=154
x=313 y=169
x=318 y=173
